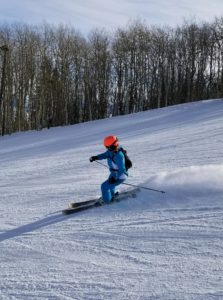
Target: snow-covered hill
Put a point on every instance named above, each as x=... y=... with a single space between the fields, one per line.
x=157 y=246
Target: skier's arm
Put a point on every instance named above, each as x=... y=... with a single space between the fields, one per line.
x=103 y=155
x=99 y=156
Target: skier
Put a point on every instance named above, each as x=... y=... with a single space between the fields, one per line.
x=116 y=162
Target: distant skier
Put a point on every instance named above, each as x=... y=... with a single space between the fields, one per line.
x=116 y=162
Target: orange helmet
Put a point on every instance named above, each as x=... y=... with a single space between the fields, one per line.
x=111 y=140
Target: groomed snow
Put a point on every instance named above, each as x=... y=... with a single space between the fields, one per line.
x=156 y=246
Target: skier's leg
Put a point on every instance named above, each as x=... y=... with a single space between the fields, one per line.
x=108 y=189
x=106 y=192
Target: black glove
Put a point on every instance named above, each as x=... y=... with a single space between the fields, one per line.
x=112 y=180
x=93 y=158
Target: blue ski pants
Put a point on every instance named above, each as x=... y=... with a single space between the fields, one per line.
x=108 y=189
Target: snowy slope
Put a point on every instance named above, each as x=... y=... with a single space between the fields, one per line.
x=157 y=246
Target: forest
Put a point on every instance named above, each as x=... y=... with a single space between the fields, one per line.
x=56 y=76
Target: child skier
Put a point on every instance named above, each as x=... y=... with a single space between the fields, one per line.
x=116 y=162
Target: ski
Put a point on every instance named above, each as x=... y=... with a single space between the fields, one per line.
x=116 y=198
x=73 y=210
x=75 y=207
x=77 y=204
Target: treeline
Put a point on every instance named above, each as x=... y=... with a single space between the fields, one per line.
x=55 y=75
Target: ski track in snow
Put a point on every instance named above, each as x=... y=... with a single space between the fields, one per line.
x=156 y=246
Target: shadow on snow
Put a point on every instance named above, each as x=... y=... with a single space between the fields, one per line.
x=50 y=220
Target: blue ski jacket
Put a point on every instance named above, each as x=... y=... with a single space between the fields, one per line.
x=116 y=163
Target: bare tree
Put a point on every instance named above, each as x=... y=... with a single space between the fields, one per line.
x=54 y=74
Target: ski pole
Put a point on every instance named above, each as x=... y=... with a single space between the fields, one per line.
x=144 y=187
x=134 y=185
x=101 y=164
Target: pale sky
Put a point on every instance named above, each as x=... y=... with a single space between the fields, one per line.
x=85 y=15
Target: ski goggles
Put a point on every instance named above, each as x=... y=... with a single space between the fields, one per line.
x=113 y=146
